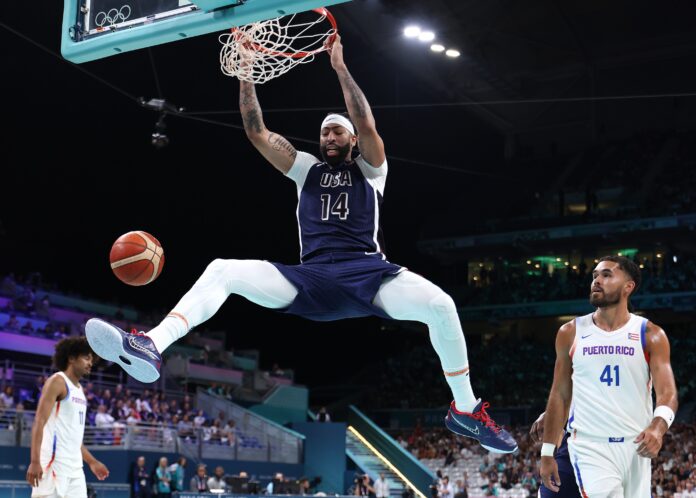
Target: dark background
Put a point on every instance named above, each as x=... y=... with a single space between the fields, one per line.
x=78 y=169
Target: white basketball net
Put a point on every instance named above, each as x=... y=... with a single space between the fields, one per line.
x=261 y=51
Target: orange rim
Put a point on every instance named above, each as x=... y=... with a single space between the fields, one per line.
x=300 y=55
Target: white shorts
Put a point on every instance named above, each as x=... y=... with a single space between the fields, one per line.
x=609 y=470
x=51 y=486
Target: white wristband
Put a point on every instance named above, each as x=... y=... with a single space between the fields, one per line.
x=547 y=449
x=666 y=413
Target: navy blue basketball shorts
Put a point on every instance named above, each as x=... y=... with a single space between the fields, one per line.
x=338 y=285
x=568 y=488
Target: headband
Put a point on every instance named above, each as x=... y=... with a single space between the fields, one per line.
x=337 y=119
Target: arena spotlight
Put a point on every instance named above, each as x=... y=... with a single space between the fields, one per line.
x=412 y=31
x=436 y=47
x=452 y=53
x=426 y=36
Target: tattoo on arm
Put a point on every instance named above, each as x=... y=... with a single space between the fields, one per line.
x=251 y=110
x=356 y=101
x=279 y=143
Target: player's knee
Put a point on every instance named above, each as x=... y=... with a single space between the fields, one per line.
x=444 y=313
x=217 y=266
x=442 y=304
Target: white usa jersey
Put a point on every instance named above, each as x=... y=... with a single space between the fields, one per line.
x=612 y=387
x=61 y=446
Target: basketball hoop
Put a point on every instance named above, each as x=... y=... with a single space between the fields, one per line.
x=261 y=51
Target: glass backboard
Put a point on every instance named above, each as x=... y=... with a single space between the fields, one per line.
x=94 y=29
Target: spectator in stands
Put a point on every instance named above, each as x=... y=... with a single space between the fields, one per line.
x=323 y=416
x=270 y=488
x=139 y=479
x=104 y=421
x=7 y=398
x=362 y=486
x=142 y=403
x=381 y=487
x=199 y=482
x=164 y=479
x=177 y=471
x=28 y=328
x=460 y=488
x=107 y=399
x=228 y=435
x=185 y=428
x=217 y=481
x=12 y=324
x=304 y=485
x=21 y=419
x=445 y=490
x=8 y=287
x=199 y=419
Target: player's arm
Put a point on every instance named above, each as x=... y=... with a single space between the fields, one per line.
x=371 y=144
x=657 y=346
x=53 y=390
x=97 y=468
x=537 y=431
x=558 y=403
x=275 y=148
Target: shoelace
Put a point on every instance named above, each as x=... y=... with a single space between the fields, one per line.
x=483 y=416
x=135 y=331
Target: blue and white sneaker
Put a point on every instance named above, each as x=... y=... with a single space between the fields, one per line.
x=480 y=426
x=134 y=352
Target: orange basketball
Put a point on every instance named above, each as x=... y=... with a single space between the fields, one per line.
x=137 y=258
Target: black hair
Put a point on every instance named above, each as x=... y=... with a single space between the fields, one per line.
x=629 y=267
x=70 y=347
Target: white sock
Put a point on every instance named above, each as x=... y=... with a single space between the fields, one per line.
x=170 y=330
x=460 y=384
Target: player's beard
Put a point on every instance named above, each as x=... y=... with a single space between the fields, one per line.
x=338 y=158
x=604 y=300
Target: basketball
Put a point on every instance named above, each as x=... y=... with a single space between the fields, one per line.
x=137 y=258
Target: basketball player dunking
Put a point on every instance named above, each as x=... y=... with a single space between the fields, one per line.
x=606 y=364
x=57 y=451
x=343 y=272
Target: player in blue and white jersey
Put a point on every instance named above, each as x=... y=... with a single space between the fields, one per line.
x=606 y=365
x=343 y=272
x=57 y=452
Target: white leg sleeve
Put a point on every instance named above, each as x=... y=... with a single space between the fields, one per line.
x=409 y=296
x=258 y=281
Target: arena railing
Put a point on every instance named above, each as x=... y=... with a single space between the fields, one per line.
x=258 y=435
x=255 y=441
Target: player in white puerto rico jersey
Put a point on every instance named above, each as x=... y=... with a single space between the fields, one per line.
x=607 y=363
x=57 y=451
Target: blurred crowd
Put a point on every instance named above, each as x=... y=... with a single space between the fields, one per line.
x=501 y=283
x=466 y=466
x=414 y=379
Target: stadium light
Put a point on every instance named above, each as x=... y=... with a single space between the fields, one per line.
x=436 y=47
x=412 y=31
x=452 y=53
x=426 y=36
